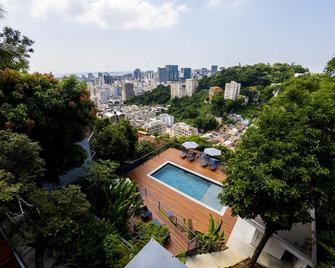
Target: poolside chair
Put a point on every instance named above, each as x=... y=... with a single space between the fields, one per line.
x=204 y=160
x=214 y=164
x=191 y=156
x=145 y=213
x=183 y=154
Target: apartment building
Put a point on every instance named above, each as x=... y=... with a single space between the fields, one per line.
x=191 y=86
x=155 y=126
x=183 y=129
x=232 y=90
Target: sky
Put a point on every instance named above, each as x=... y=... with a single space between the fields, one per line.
x=74 y=36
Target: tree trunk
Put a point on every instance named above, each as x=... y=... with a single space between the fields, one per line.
x=39 y=256
x=267 y=234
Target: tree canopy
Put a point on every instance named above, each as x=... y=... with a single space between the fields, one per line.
x=283 y=166
x=15 y=49
x=159 y=95
x=57 y=114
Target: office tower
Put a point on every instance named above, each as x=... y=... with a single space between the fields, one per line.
x=162 y=75
x=186 y=73
x=172 y=73
x=108 y=79
x=127 y=91
x=90 y=76
x=232 y=90
x=204 y=71
x=214 y=69
x=100 y=75
x=137 y=74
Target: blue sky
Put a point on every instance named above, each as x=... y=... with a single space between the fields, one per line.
x=121 y=35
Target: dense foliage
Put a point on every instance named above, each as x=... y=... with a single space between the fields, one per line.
x=15 y=49
x=114 y=141
x=213 y=240
x=159 y=95
x=55 y=114
x=284 y=165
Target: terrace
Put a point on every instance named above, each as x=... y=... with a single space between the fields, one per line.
x=174 y=209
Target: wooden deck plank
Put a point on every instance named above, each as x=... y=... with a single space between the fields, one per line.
x=181 y=206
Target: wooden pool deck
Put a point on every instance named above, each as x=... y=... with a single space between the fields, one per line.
x=181 y=206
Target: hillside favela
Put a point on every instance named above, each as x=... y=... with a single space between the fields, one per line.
x=165 y=133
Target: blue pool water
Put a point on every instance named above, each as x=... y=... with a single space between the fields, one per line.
x=190 y=184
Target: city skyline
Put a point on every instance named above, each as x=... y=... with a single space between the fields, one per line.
x=121 y=35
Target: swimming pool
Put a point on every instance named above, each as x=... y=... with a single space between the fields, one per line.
x=196 y=187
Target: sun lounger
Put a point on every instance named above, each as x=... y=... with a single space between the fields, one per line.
x=204 y=160
x=214 y=164
x=183 y=154
x=190 y=156
x=145 y=213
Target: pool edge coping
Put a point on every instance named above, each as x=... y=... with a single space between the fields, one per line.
x=221 y=213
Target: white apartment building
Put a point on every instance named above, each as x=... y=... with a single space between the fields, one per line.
x=155 y=126
x=232 y=90
x=167 y=119
x=183 y=129
x=191 y=86
x=178 y=90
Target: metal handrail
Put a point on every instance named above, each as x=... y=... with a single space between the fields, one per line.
x=191 y=236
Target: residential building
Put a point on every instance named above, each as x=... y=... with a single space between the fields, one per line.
x=213 y=91
x=127 y=91
x=214 y=69
x=149 y=75
x=232 y=90
x=167 y=119
x=155 y=126
x=186 y=73
x=178 y=90
x=191 y=86
x=172 y=73
x=204 y=71
x=137 y=74
x=183 y=129
x=162 y=76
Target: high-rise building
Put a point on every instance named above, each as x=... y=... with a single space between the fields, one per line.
x=232 y=90
x=90 y=76
x=204 y=71
x=100 y=75
x=186 y=73
x=149 y=75
x=137 y=74
x=172 y=73
x=191 y=86
x=127 y=91
x=162 y=75
x=178 y=90
x=108 y=79
x=214 y=69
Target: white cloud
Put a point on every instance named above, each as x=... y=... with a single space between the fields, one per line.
x=124 y=14
x=227 y=2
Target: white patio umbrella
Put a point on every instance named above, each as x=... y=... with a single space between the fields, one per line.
x=190 y=145
x=212 y=151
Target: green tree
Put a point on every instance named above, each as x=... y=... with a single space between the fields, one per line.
x=20 y=156
x=112 y=198
x=206 y=123
x=15 y=49
x=330 y=67
x=8 y=189
x=211 y=241
x=57 y=114
x=52 y=219
x=284 y=164
x=115 y=141
x=143 y=148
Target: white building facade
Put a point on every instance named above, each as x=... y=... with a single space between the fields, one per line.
x=232 y=90
x=183 y=129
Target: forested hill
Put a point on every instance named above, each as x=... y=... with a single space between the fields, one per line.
x=160 y=95
x=259 y=74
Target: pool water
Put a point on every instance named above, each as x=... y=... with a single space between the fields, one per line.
x=190 y=184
